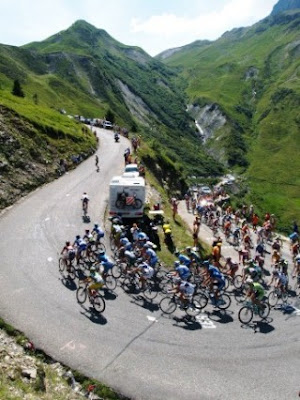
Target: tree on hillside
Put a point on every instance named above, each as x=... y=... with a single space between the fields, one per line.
x=17 y=89
x=110 y=116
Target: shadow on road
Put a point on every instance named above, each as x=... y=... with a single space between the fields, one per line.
x=260 y=326
x=109 y=294
x=93 y=316
x=221 y=316
x=69 y=283
x=189 y=323
x=144 y=303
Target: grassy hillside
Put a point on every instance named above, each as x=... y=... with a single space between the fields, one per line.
x=33 y=140
x=253 y=75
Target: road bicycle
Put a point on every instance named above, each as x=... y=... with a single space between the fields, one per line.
x=276 y=295
x=95 y=298
x=67 y=266
x=249 y=309
x=169 y=304
x=222 y=302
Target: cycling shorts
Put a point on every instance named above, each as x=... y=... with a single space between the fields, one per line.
x=96 y=286
x=221 y=283
x=82 y=247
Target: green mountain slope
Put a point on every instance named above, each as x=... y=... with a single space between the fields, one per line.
x=85 y=71
x=251 y=76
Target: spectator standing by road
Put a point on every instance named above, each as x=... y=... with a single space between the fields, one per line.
x=174 y=203
x=196 y=229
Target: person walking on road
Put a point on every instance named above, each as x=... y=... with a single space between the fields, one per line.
x=97 y=163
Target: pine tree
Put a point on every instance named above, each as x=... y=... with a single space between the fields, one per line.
x=17 y=89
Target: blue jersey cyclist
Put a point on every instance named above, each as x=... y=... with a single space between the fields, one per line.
x=80 y=245
x=182 y=271
x=106 y=262
x=150 y=255
x=98 y=232
x=183 y=259
x=213 y=276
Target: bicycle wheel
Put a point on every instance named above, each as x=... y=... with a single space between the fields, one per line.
x=117 y=270
x=223 y=302
x=167 y=305
x=194 y=308
x=273 y=298
x=101 y=247
x=238 y=281
x=61 y=265
x=265 y=311
x=150 y=291
x=201 y=299
x=72 y=272
x=137 y=204
x=81 y=294
x=99 y=303
x=110 y=282
x=245 y=315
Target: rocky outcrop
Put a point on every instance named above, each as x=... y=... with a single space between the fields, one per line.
x=208 y=119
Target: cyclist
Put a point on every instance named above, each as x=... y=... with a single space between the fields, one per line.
x=97 y=281
x=186 y=291
x=296 y=270
x=255 y=292
x=97 y=163
x=80 y=246
x=231 y=266
x=281 y=280
x=85 y=202
x=146 y=272
x=106 y=262
x=98 y=231
x=183 y=258
x=252 y=270
x=68 y=254
x=89 y=239
x=150 y=256
x=181 y=270
x=213 y=276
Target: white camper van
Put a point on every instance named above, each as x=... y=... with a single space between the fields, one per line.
x=127 y=196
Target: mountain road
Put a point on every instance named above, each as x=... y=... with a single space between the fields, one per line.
x=131 y=347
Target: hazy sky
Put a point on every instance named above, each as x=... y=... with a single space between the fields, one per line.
x=154 y=25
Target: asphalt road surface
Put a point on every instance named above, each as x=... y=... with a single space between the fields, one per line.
x=132 y=347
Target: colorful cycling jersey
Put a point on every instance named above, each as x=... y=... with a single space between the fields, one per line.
x=97 y=278
x=99 y=232
x=107 y=265
x=282 y=278
x=80 y=243
x=88 y=237
x=152 y=256
x=215 y=273
x=142 y=236
x=187 y=288
x=184 y=260
x=258 y=288
x=104 y=258
x=147 y=271
x=183 y=272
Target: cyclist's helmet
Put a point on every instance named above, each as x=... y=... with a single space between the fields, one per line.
x=176 y=263
x=77 y=236
x=67 y=243
x=96 y=225
x=124 y=241
x=188 y=249
x=101 y=253
x=144 y=265
x=186 y=284
x=205 y=263
x=92 y=270
x=228 y=259
x=177 y=253
x=249 y=281
x=87 y=231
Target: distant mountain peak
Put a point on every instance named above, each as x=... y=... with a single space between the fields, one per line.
x=285 y=5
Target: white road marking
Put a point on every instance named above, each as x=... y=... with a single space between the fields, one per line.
x=152 y=319
x=205 y=322
x=50 y=259
x=47 y=219
x=70 y=346
x=68 y=194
